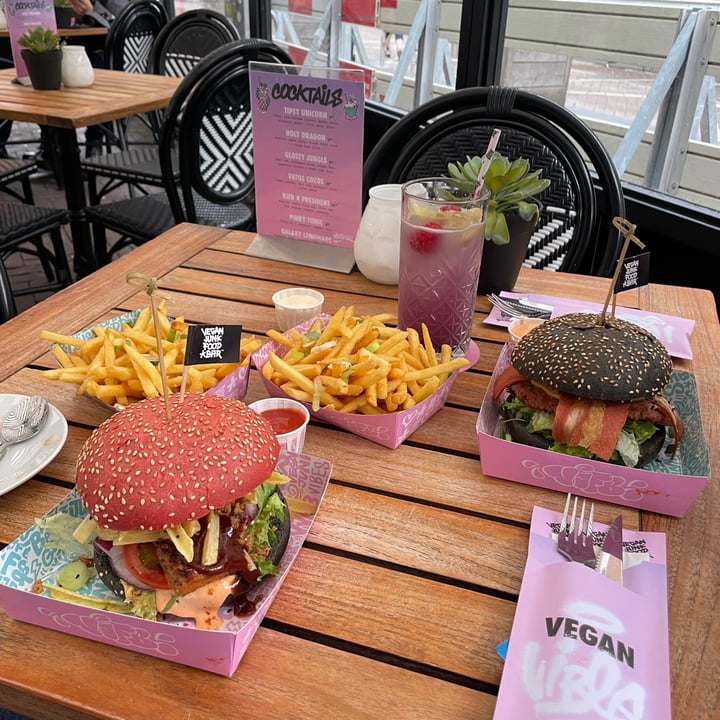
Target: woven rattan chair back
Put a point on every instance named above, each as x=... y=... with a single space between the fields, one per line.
x=131 y=36
x=211 y=181
x=575 y=233
x=178 y=46
x=214 y=129
x=127 y=48
x=187 y=39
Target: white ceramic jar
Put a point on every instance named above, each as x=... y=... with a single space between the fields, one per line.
x=77 y=71
x=377 y=243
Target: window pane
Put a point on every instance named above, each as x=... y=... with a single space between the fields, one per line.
x=613 y=64
x=608 y=61
x=381 y=36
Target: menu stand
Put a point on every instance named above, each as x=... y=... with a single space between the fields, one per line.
x=324 y=257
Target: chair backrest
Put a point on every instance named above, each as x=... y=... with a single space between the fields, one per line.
x=131 y=36
x=187 y=39
x=585 y=192
x=7 y=300
x=209 y=118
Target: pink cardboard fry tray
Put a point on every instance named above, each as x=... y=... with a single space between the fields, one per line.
x=27 y=560
x=664 y=486
x=390 y=429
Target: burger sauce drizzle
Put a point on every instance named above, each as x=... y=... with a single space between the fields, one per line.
x=231 y=560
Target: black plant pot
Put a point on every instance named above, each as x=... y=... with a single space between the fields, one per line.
x=501 y=263
x=44 y=69
x=65 y=17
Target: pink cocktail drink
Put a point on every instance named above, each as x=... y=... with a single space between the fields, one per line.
x=441 y=242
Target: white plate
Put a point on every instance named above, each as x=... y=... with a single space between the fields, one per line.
x=23 y=460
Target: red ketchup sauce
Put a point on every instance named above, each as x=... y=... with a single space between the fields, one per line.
x=283 y=420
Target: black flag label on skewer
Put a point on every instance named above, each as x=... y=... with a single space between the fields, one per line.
x=213 y=344
x=635 y=272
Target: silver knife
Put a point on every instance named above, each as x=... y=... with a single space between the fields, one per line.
x=610 y=557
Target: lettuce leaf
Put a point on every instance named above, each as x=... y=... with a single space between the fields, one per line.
x=633 y=434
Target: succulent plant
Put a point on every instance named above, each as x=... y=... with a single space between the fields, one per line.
x=511 y=184
x=40 y=40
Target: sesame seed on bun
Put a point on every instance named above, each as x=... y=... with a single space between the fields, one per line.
x=139 y=470
x=613 y=361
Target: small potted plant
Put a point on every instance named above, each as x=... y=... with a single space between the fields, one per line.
x=42 y=57
x=64 y=13
x=513 y=213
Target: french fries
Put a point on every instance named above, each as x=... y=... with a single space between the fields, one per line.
x=359 y=364
x=121 y=367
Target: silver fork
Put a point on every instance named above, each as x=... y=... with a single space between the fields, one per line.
x=574 y=541
x=513 y=308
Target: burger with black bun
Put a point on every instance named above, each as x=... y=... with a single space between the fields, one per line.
x=186 y=509
x=591 y=387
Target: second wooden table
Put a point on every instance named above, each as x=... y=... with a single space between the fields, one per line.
x=113 y=95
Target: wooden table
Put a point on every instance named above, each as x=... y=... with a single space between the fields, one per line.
x=410 y=575
x=73 y=32
x=114 y=94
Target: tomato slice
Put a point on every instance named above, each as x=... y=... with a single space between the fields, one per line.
x=142 y=562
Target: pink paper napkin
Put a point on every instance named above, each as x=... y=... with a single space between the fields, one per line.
x=673 y=332
x=583 y=646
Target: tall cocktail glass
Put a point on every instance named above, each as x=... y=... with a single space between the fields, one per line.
x=441 y=240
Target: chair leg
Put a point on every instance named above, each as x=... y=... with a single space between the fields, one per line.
x=100 y=242
x=54 y=263
x=23 y=194
x=44 y=257
x=61 y=262
x=27 y=190
x=7 y=299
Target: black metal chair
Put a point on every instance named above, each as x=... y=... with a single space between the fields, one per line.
x=129 y=44
x=575 y=233
x=15 y=219
x=22 y=225
x=22 y=229
x=15 y=171
x=132 y=35
x=209 y=117
x=7 y=300
x=127 y=48
x=187 y=39
x=178 y=45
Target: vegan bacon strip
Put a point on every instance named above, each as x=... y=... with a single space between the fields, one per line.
x=594 y=424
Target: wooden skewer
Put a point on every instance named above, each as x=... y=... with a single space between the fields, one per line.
x=149 y=284
x=628 y=231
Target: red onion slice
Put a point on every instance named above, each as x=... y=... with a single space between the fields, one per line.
x=115 y=553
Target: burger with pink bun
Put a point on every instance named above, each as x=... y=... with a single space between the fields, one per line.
x=188 y=510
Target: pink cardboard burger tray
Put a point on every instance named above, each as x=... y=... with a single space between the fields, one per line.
x=665 y=486
x=27 y=560
x=389 y=430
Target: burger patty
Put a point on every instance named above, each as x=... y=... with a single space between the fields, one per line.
x=537 y=398
x=180 y=576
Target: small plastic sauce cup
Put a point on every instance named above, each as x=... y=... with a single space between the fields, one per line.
x=522 y=326
x=295 y=305
x=288 y=418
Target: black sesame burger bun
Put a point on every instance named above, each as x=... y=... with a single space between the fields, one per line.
x=613 y=361
x=139 y=470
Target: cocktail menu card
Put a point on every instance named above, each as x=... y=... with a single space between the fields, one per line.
x=308 y=154
x=21 y=17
